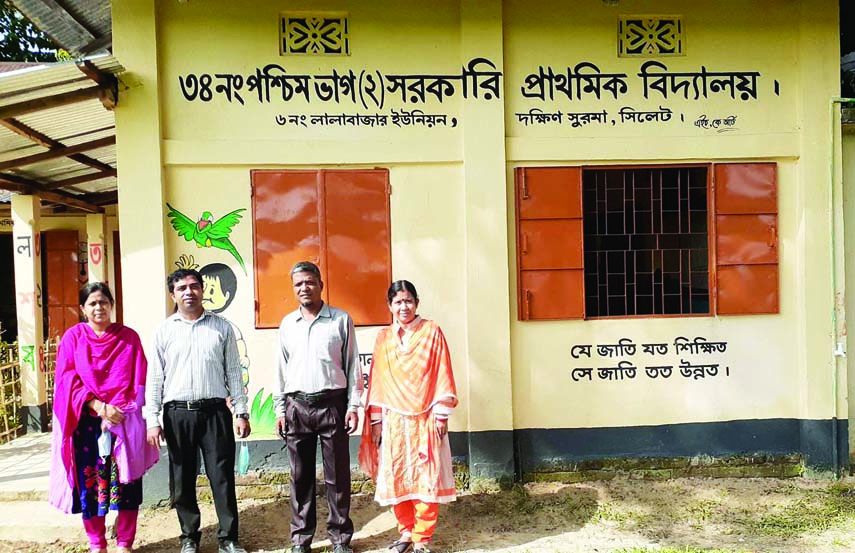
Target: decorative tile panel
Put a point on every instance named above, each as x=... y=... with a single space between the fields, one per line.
x=314 y=34
x=649 y=36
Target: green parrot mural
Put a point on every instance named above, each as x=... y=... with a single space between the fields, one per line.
x=208 y=233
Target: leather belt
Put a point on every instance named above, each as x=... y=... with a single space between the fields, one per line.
x=196 y=405
x=317 y=397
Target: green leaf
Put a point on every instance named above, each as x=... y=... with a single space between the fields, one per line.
x=256 y=402
x=263 y=415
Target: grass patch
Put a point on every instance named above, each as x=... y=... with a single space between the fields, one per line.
x=607 y=512
x=703 y=510
x=820 y=510
x=672 y=550
x=75 y=549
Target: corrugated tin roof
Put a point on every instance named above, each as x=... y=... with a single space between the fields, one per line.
x=72 y=24
x=70 y=124
x=39 y=80
x=7 y=66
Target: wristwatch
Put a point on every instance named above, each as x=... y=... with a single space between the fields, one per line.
x=244 y=416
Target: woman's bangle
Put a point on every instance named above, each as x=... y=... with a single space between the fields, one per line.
x=103 y=410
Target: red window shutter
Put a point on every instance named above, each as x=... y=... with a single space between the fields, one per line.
x=746 y=241
x=336 y=219
x=549 y=193
x=550 y=244
x=286 y=229
x=550 y=271
x=549 y=295
x=357 y=257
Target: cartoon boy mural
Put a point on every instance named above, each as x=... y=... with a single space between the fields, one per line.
x=220 y=287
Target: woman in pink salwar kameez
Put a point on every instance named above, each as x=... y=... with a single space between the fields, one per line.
x=99 y=448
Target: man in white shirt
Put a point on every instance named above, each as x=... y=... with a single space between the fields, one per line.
x=318 y=384
x=195 y=367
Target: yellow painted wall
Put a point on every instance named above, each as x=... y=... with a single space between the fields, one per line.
x=423 y=37
x=761 y=353
x=452 y=202
x=210 y=147
x=780 y=366
x=426 y=250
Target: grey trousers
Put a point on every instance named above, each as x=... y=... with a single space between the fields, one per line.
x=308 y=422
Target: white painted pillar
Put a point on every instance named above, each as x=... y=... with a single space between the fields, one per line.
x=28 y=302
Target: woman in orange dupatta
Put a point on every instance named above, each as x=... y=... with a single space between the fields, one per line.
x=411 y=394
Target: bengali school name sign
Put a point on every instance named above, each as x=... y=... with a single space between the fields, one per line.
x=363 y=98
x=586 y=82
x=375 y=99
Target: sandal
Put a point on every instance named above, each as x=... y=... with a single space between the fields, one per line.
x=400 y=546
x=424 y=549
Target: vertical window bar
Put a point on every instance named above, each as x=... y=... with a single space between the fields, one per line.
x=661 y=202
x=608 y=288
x=688 y=201
x=604 y=291
x=626 y=298
x=661 y=297
x=680 y=201
x=601 y=205
x=626 y=205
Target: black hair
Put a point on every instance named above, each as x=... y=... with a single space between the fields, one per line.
x=306 y=267
x=175 y=276
x=401 y=286
x=93 y=287
x=228 y=281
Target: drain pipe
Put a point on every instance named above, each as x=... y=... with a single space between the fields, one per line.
x=838 y=305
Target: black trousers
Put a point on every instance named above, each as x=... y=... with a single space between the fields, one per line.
x=210 y=430
x=307 y=423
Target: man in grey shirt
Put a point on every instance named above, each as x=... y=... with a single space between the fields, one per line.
x=195 y=367
x=318 y=383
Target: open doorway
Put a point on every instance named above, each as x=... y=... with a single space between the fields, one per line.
x=8 y=313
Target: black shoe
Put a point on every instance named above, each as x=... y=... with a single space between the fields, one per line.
x=189 y=546
x=401 y=546
x=342 y=548
x=301 y=549
x=228 y=546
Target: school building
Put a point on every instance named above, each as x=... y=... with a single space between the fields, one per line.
x=628 y=216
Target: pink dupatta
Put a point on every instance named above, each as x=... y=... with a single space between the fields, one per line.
x=112 y=368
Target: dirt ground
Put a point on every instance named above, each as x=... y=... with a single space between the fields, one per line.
x=621 y=515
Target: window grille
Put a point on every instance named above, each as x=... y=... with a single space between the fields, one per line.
x=646 y=243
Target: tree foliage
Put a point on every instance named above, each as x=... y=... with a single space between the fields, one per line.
x=20 y=40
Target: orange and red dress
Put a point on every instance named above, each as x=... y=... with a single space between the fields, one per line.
x=410 y=383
